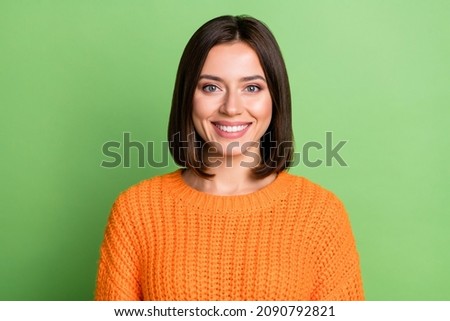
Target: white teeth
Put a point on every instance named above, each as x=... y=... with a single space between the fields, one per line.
x=231 y=129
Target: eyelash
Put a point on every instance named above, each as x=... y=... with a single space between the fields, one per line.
x=257 y=88
x=205 y=88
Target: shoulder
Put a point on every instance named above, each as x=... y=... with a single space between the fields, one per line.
x=146 y=189
x=313 y=190
x=320 y=202
x=325 y=214
x=150 y=183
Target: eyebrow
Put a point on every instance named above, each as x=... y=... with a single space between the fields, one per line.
x=243 y=79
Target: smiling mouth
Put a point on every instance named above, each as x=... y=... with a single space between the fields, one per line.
x=232 y=128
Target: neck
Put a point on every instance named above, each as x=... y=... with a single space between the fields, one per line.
x=232 y=176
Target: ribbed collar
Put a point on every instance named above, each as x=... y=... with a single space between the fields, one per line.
x=262 y=198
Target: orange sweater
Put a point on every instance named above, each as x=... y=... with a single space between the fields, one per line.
x=291 y=240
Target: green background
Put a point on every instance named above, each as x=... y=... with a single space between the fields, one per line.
x=77 y=74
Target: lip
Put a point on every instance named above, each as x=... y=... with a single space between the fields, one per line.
x=231 y=135
x=231 y=123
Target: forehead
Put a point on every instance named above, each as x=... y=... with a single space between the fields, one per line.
x=232 y=59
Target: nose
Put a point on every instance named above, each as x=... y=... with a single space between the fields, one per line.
x=231 y=105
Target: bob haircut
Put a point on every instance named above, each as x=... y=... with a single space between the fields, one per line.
x=276 y=145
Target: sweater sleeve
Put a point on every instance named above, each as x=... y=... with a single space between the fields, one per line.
x=337 y=262
x=118 y=269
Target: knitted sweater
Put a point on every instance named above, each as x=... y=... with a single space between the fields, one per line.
x=291 y=240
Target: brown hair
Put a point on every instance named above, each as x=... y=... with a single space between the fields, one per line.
x=276 y=145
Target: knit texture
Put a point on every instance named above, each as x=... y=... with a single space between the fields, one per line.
x=291 y=240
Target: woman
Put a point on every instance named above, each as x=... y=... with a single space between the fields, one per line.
x=232 y=224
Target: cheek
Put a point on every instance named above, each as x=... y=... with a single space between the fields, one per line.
x=263 y=109
x=200 y=106
x=197 y=119
x=199 y=114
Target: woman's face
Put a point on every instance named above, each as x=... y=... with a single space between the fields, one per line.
x=232 y=105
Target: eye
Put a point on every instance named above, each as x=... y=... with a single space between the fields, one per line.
x=252 y=88
x=210 y=88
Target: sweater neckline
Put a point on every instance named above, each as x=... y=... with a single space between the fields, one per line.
x=261 y=198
